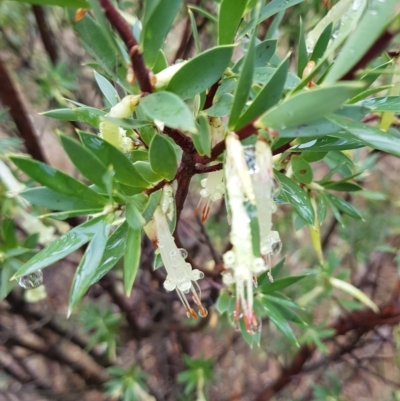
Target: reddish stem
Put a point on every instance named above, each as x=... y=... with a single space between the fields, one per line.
x=124 y=30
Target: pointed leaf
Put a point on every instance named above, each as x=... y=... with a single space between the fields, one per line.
x=371 y=136
x=244 y=83
x=269 y=95
x=296 y=109
x=199 y=73
x=297 y=198
x=372 y=24
x=170 y=109
x=87 y=115
x=57 y=180
x=267 y=287
x=125 y=172
x=156 y=24
x=113 y=252
x=202 y=140
x=85 y=161
x=89 y=264
x=344 y=206
x=132 y=258
x=302 y=56
x=162 y=157
x=107 y=89
x=230 y=14
x=61 y=247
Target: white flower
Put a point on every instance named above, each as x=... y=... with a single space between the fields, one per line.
x=180 y=275
x=213 y=190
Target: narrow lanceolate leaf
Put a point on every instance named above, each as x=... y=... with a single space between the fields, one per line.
x=297 y=198
x=113 y=252
x=263 y=53
x=107 y=89
x=56 y=180
x=157 y=21
x=87 y=115
x=371 y=136
x=133 y=216
x=230 y=14
x=61 y=3
x=85 y=161
x=53 y=200
x=371 y=26
x=132 y=258
x=302 y=56
x=61 y=247
x=244 y=83
x=275 y=6
x=296 y=109
x=267 y=287
x=344 y=206
x=331 y=18
x=89 y=264
x=170 y=109
x=125 y=172
x=322 y=44
x=354 y=292
x=162 y=157
x=269 y=95
x=199 y=73
x=386 y=103
x=96 y=43
x=221 y=106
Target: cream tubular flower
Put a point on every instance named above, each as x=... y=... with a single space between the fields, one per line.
x=270 y=243
x=180 y=275
x=240 y=259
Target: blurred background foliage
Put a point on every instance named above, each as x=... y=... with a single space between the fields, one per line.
x=102 y=352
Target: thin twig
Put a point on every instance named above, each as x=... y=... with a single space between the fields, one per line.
x=124 y=30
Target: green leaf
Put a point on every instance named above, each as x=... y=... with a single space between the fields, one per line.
x=133 y=216
x=369 y=29
x=151 y=205
x=371 y=136
x=221 y=106
x=263 y=53
x=269 y=95
x=107 y=89
x=170 y=109
x=342 y=186
x=386 y=103
x=195 y=32
x=223 y=301
x=202 y=140
x=199 y=73
x=230 y=14
x=156 y=24
x=125 y=172
x=301 y=170
x=53 y=200
x=62 y=246
x=203 y=12
x=327 y=144
x=344 y=206
x=146 y=172
x=302 y=56
x=57 y=181
x=162 y=157
x=113 y=252
x=87 y=115
x=70 y=213
x=263 y=74
x=297 y=198
x=296 y=109
x=243 y=85
x=132 y=258
x=267 y=287
x=322 y=44
x=278 y=320
x=275 y=6
x=86 y=162
x=89 y=264
x=97 y=43
x=61 y=3
x=127 y=123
